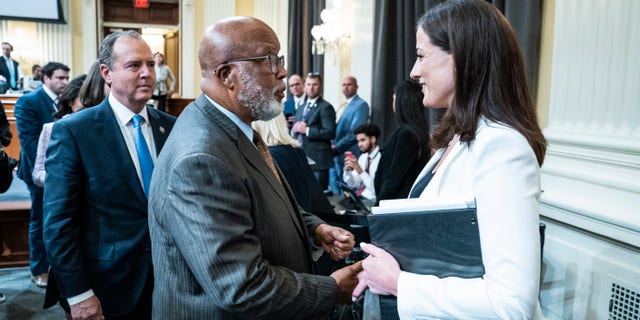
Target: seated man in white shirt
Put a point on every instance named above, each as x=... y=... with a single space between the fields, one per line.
x=359 y=174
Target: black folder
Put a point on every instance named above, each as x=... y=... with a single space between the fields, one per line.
x=439 y=242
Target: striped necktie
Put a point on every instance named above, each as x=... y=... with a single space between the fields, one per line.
x=264 y=152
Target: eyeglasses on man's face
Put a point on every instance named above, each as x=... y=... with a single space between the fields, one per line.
x=275 y=62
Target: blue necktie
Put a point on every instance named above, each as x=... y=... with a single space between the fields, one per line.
x=144 y=156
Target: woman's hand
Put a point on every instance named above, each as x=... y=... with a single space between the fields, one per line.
x=380 y=272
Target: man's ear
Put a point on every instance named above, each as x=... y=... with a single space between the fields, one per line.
x=106 y=75
x=225 y=74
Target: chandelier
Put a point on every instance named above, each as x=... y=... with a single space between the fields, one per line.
x=330 y=36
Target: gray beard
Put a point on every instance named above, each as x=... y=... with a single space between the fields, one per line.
x=257 y=99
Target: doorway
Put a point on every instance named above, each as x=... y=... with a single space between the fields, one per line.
x=158 y=24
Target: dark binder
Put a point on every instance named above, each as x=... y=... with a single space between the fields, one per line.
x=439 y=242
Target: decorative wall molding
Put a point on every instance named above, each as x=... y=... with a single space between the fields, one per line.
x=217 y=10
x=90 y=40
x=188 y=50
x=591 y=175
x=275 y=14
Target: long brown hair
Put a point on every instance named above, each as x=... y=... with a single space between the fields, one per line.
x=489 y=72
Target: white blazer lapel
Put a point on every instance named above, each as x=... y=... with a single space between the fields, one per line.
x=434 y=186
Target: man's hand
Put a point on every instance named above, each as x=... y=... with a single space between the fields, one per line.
x=337 y=242
x=89 y=309
x=346 y=279
x=352 y=164
x=300 y=127
x=380 y=272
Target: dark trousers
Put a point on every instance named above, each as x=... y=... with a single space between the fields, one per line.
x=37 y=253
x=323 y=177
x=162 y=102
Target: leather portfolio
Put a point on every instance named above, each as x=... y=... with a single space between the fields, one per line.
x=443 y=242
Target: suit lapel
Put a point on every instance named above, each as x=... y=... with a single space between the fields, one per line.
x=108 y=129
x=313 y=113
x=46 y=104
x=252 y=155
x=160 y=131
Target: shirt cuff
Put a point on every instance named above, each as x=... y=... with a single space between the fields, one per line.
x=81 y=297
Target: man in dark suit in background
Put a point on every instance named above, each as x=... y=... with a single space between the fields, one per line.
x=99 y=165
x=9 y=69
x=33 y=110
x=297 y=93
x=228 y=239
x=315 y=127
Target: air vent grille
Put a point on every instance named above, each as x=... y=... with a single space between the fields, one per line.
x=624 y=303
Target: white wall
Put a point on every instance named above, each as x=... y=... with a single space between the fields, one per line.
x=591 y=175
x=357 y=57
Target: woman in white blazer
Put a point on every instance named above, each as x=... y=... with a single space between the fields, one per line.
x=489 y=149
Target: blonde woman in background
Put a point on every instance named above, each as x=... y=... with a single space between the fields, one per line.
x=163 y=73
x=293 y=163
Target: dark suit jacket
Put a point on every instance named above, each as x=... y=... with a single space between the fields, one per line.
x=306 y=188
x=5 y=129
x=95 y=220
x=321 y=121
x=32 y=110
x=399 y=166
x=6 y=175
x=229 y=241
x=4 y=71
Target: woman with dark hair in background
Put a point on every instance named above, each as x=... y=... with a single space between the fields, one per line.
x=94 y=89
x=490 y=149
x=407 y=149
x=68 y=102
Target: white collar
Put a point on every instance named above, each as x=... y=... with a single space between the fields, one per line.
x=124 y=114
x=50 y=93
x=375 y=152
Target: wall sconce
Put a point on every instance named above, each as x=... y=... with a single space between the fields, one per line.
x=330 y=36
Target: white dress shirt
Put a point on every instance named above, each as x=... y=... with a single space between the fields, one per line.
x=365 y=178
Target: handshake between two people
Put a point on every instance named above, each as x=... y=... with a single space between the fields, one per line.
x=379 y=271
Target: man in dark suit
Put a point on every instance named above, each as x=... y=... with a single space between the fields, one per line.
x=9 y=69
x=98 y=164
x=315 y=127
x=297 y=93
x=228 y=239
x=33 y=110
